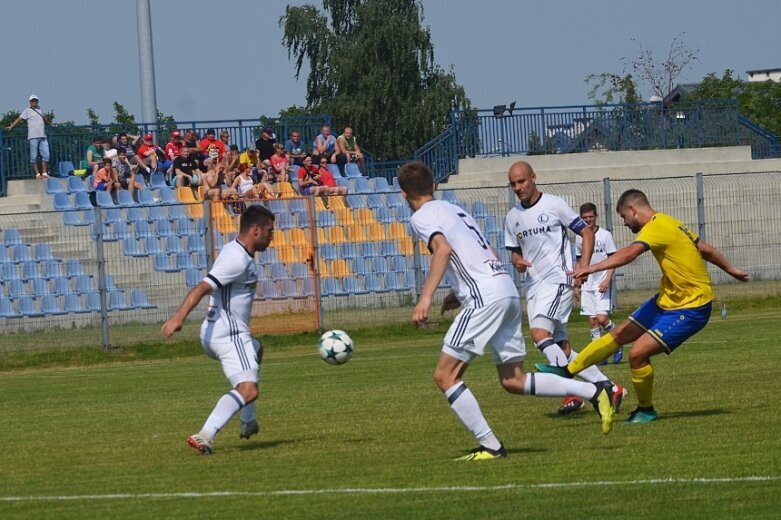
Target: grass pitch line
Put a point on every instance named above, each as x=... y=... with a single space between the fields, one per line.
x=394 y=491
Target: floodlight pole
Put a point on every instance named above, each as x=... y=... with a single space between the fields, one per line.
x=146 y=62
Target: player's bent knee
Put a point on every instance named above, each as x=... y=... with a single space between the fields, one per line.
x=248 y=390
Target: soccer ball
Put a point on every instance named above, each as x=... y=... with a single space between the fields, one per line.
x=335 y=347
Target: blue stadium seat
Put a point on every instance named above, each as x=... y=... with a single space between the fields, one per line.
x=376 y=201
x=161 y=262
x=61 y=285
x=326 y=219
x=300 y=271
x=21 y=253
x=116 y=301
x=380 y=185
x=135 y=214
x=277 y=271
x=142 y=230
x=373 y=282
x=30 y=270
x=51 y=268
x=178 y=211
x=72 y=304
x=396 y=184
x=290 y=289
x=334 y=169
x=184 y=227
x=93 y=302
x=119 y=231
x=384 y=214
x=389 y=248
x=104 y=199
x=352 y=170
x=61 y=201
x=83 y=284
x=73 y=268
x=349 y=250
x=173 y=244
x=109 y=282
x=356 y=201
x=73 y=218
x=361 y=184
x=285 y=220
x=330 y=287
x=158 y=181
x=449 y=195
x=192 y=277
x=164 y=229
x=341 y=182
x=392 y=282
x=88 y=181
x=202 y=260
x=352 y=285
x=399 y=264
x=42 y=252
x=369 y=249
x=184 y=261
x=38 y=287
x=156 y=214
x=11 y=237
x=7 y=308
x=167 y=196
x=379 y=264
x=146 y=197
x=112 y=215
x=81 y=200
x=196 y=244
x=4 y=256
x=16 y=288
x=125 y=199
x=403 y=213
x=75 y=184
x=308 y=288
x=50 y=305
x=27 y=307
x=138 y=300
x=270 y=291
x=54 y=185
x=298 y=206
x=133 y=247
x=65 y=169
x=479 y=210
x=328 y=252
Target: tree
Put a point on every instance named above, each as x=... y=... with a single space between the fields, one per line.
x=371 y=66
x=662 y=76
x=608 y=88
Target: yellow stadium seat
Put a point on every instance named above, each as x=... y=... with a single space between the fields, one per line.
x=280 y=239
x=185 y=194
x=340 y=268
x=336 y=235
x=405 y=246
x=323 y=266
x=322 y=238
x=365 y=216
x=320 y=205
x=336 y=202
x=286 y=254
x=195 y=210
x=285 y=190
x=357 y=233
x=423 y=248
x=398 y=230
x=297 y=237
x=344 y=216
x=376 y=231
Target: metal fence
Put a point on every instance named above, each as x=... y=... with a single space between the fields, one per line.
x=352 y=264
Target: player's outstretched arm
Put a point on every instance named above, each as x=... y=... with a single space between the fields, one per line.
x=191 y=301
x=714 y=256
x=440 y=256
x=620 y=258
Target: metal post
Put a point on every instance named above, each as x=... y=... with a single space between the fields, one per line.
x=416 y=267
x=700 y=206
x=146 y=62
x=608 y=222
x=102 y=280
x=315 y=261
x=210 y=232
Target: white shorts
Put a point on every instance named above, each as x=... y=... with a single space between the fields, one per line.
x=548 y=306
x=498 y=323
x=239 y=357
x=594 y=302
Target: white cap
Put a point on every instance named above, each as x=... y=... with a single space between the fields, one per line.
x=33 y=96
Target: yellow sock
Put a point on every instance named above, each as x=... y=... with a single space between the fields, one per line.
x=594 y=352
x=643 y=380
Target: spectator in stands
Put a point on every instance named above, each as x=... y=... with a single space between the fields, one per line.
x=265 y=147
x=325 y=144
x=183 y=170
x=327 y=178
x=316 y=181
x=280 y=165
x=245 y=186
x=231 y=160
x=147 y=153
x=295 y=148
x=225 y=138
x=94 y=156
x=125 y=142
x=174 y=146
x=126 y=173
x=250 y=158
x=214 y=183
x=105 y=178
x=347 y=150
x=36 y=135
x=210 y=141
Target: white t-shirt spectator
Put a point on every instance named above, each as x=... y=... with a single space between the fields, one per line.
x=35 y=124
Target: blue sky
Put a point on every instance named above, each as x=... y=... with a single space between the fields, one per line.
x=225 y=60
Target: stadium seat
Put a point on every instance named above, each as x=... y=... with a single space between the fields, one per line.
x=369 y=249
x=374 y=282
x=399 y=264
x=403 y=213
x=61 y=285
x=27 y=307
x=285 y=220
x=328 y=252
x=62 y=202
x=297 y=205
x=356 y=201
x=297 y=237
x=76 y=184
x=385 y=215
x=116 y=301
x=164 y=229
x=380 y=185
x=336 y=235
x=21 y=252
x=340 y=268
x=50 y=305
x=192 y=277
x=38 y=287
x=167 y=196
x=133 y=247
x=162 y=263
x=157 y=181
x=142 y=230
x=300 y=271
x=145 y=197
x=72 y=303
x=81 y=201
x=360 y=184
x=379 y=264
x=349 y=250
x=184 y=261
x=277 y=271
x=51 y=268
x=104 y=199
x=119 y=231
x=409 y=279
x=479 y=210
x=196 y=244
x=287 y=254
x=93 y=302
x=156 y=214
x=357 y=233
x=392 y=282
x=135 y=214
x=326 y=219
x=7 y=308
x=125 y=199
x=395 y=200
x=334 y=169
x=138 y=300
x=290 y=289
x=83 y=284
x=396 y=184
x=173 y=244
x=352 y=285
x=365 y=216
x=42 y=252
x=11 y=237
x=73 y=268
x=352 y=170
x=449 y=195
x=361 y=266
x=88 y=181
x=53 y=185
x=342 y=182
x=16 y=288
x=65 y=169
x=376 y=232
x=270 y=291
x=330 y=287
x=375 y=201
x=388 y=248
x=286 y=190
x=8 y=272
x=398 y=230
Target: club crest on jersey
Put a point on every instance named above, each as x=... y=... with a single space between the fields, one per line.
x=543 y=218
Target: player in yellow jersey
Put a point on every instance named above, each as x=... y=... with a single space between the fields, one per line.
x=680 y=309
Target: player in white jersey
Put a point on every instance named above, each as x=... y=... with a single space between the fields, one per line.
x=491 y=313
x=225 y=333
x=594 y=293
x=536 y=234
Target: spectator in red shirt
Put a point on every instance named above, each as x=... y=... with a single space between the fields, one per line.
x=147 y=152
x=174 y=146
x=280 y=164
x=210 y=140
x=317 y=181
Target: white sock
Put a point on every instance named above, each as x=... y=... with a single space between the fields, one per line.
x=225 y=408
x=595 y=333
x=552 y=351
x=248 y=412
x=550 y=385
x=464 y=405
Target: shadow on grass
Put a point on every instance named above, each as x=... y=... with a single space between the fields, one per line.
x=527 y=450
x=694 y=413
x=264 y=445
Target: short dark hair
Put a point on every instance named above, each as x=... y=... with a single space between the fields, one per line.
x=588 y=207
x=255 y=214
x=416 y=179
x=631 y=196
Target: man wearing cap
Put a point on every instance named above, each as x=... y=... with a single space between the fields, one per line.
x=210 y=141
x=265 y=146
x=36 y=136
x=174 y=146
x=147 y=152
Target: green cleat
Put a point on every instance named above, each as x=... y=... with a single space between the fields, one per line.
x=642 y=416
x=604 y=403
x=550 y=369
x=483 y=453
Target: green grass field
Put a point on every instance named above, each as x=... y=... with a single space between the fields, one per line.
x=104 y=436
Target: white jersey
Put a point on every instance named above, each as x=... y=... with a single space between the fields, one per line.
x=35 y=123
x=474 y=271
x=540 y=232
x=603 y=247
x=234 y=278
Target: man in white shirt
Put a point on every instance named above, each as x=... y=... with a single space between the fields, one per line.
x=225 y=332
x=536 y=235
x=36 y=136
x=491 y=313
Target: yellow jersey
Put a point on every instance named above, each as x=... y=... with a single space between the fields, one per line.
x=245 y=158
x=685 y=279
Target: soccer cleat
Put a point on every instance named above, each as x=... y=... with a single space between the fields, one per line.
x=550 y=369
x=200 y=443
x=642 y=416
x=483 y=453
x=619 y=392
x=571 y=405
x=603 y=401
x=248 y=429
x=618 y=356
